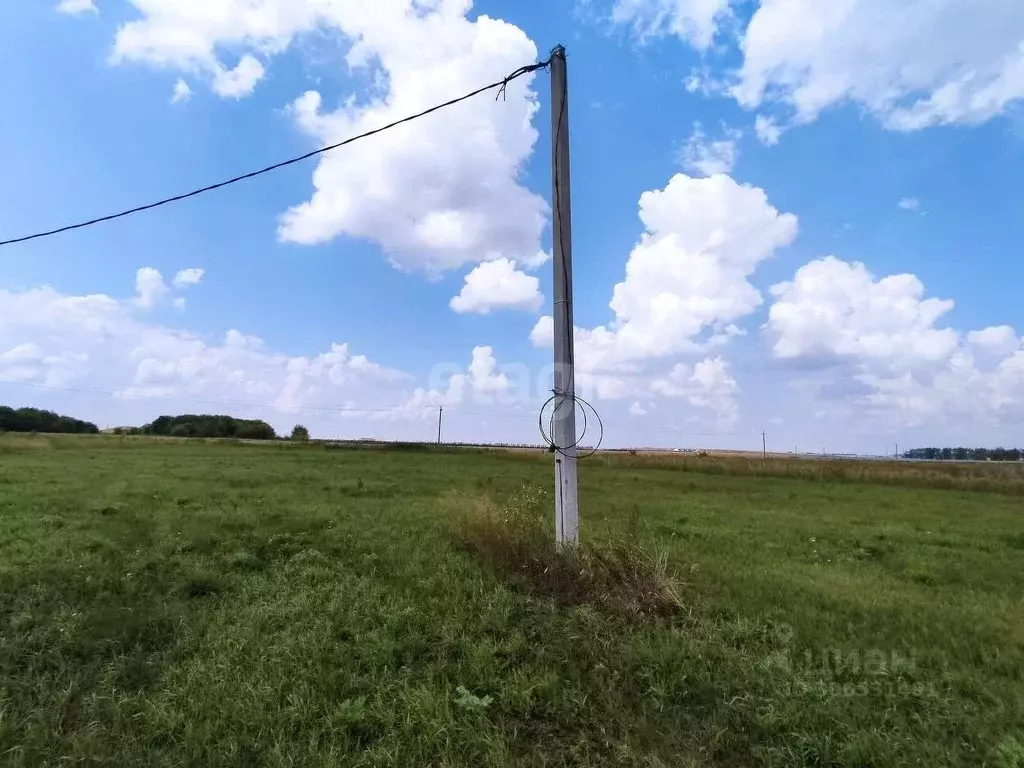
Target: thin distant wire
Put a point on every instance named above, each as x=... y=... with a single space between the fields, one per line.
x=425 y=409
x=501 y=84
x=204 y=401
x=680 y=433
x=429 y=407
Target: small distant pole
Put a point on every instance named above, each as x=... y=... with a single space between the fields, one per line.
x=897 y=450
x=567 y=520
x=440 y=410
x=764 y=445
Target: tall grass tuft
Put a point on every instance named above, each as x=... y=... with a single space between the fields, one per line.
x=516 y=540
x=17 y=442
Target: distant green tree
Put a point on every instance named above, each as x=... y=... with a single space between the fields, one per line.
x=300 y=433
x=205 y=425
x=966 y=454
x=35 y=420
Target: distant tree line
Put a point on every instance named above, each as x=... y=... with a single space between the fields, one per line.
x=35 y=420
x=965 y=454
x=203 y=425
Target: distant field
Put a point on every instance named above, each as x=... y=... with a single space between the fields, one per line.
x=181 y=602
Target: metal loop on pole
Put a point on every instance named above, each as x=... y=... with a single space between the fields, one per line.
x=548 y=434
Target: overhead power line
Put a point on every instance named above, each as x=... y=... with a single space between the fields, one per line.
x=424 y=409
x=502 y=84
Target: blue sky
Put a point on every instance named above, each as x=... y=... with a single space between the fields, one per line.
x=889 y=155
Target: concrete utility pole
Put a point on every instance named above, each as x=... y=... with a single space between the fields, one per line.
x=563 y=428
x=440 y=410
x=764 y=445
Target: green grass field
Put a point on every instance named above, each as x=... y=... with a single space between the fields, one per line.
x=169 y=602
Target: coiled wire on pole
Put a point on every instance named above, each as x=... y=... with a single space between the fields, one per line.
x=548 y=434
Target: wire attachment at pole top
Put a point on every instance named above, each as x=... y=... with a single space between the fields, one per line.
x=500 y=84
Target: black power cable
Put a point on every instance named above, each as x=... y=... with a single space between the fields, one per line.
x=501 y=84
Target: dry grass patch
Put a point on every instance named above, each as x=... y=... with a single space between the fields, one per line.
x=516 y=540
x=12 y=443
x=988 y=477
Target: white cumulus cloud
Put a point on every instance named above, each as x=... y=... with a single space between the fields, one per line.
x=433 y=195
x=543 y=333
x=150 y=287
x=194 y=36
x=833 y=308
x=636 y=408
x=190 y=276
x=706 y=156
x=884 y=353
x=480 y=382
x=687 y=278
x=443 y=191
x=96 y=341
x=999 y=340
x=75 y=7
x=911 y=65
x=708 y=384
x=497 y=285
x=239 y=81
x=696 y=21
x=768 y=131
x=181 y=93
x=686 y=286
x=28 y=362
